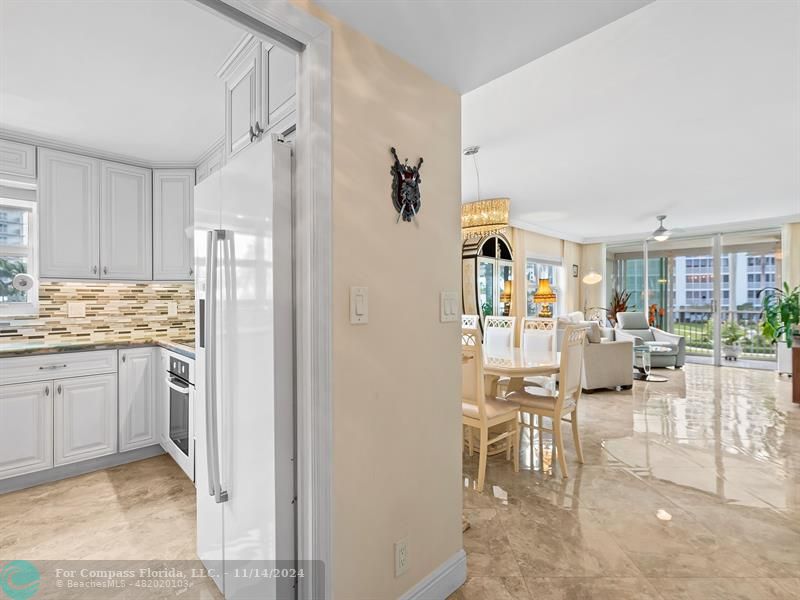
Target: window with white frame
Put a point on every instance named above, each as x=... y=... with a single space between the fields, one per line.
x=535 y=269
x=17 y=257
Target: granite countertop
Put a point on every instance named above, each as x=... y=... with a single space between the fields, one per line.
x=183 y=347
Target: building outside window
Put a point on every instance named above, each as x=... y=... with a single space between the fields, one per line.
x=17 y=255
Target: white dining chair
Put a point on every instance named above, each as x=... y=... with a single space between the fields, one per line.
x=470 y=322
x=538 y=343
x=540 y=403
x=498 y=340
x=498 y=334
x=481 y=412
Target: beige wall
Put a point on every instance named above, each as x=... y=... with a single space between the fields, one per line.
x=593 y=258
x=530 y=244
x=790 y=250
x=396 y=380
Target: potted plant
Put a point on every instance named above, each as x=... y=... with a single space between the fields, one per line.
x=618 y=303
x=780 y=315
x=732 y=333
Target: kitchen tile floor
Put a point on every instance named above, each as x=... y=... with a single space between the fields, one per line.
x=142 y=513
x=718 y=449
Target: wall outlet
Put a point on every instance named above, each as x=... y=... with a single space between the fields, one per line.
x=400 y=557
x=172 y=309
x=76 y=309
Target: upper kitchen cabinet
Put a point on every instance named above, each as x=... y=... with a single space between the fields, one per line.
x=244 y=96
x=260 y=82
x=17 y=162
x=173 y=224
x=126 y=222
x=69 y=215
x=282 y=82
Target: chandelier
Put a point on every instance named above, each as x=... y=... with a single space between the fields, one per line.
x=484 y=217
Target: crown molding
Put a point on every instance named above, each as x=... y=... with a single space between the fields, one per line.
x=26 y=137
x=216 y=146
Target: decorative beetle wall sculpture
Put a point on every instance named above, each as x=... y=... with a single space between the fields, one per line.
x=405 y=188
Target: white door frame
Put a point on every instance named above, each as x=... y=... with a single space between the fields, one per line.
x=294 y=29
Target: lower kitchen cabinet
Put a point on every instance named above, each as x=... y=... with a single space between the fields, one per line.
x=26 y=426
x=137 y=398
x=85 y=418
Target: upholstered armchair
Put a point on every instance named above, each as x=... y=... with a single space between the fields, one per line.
x=634 y=326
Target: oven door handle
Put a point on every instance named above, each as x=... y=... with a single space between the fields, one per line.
x=178 y=388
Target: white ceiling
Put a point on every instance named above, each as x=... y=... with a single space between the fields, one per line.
x=690 y=109
x=467 y=43
x=129 y=77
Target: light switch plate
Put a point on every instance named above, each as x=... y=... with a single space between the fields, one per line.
x=172 y=309
x=359 y=305
x=76 y=309
x=449 y=307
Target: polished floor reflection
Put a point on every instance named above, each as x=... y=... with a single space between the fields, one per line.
x=690 y=490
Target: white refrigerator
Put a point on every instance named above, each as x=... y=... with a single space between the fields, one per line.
x=244 y=425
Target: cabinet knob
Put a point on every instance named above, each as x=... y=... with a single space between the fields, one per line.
x=94 y=269
x=47 y=390
x=191 y=272
x=58 y=389
x=105 y=270
x=123 y=358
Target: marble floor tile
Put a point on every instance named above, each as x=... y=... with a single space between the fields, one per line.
x=488 y=549
x=591 y=588
x=701 y=588
x=716 y=449
x=496 y=588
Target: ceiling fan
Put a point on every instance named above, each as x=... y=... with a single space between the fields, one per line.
x=661 y=233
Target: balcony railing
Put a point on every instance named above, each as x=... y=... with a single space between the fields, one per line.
x=696 y=326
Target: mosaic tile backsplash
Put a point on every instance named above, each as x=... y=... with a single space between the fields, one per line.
x=114 y=312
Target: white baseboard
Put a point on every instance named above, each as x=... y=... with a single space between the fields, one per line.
x=445 y=579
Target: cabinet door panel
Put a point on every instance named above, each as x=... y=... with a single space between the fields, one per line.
x=243 y=100
x=173 y=224
x=282 y=71
x=137 y=398
x=126 y=222
x=17 y=161
x=85 y=418
x=69 y=211
x=26 y=428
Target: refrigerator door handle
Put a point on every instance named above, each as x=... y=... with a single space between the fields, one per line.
x=212 y=428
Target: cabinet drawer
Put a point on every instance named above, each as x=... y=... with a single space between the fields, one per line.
x=23 y=369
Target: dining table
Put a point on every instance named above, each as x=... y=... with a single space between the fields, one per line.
x=516 y=365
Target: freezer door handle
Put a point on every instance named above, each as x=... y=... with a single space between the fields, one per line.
x=212 y=428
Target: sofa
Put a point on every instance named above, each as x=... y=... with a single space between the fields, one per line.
x=671 y=350
x=607 y=362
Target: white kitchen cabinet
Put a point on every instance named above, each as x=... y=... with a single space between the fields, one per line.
x=281 y=83
x=69 y=212
x=173 y=224
x=244 y=96
x=137 y=398
x=126 y=222
x=26 y=428
x=85 y=422
x=162 y=393
x=17 y=162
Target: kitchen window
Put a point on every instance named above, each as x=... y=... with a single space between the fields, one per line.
x=17 y=257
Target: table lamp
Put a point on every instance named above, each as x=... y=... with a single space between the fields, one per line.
x=505 y=298
x=544 y=296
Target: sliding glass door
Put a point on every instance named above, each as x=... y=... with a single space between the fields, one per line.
x=705 y=289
